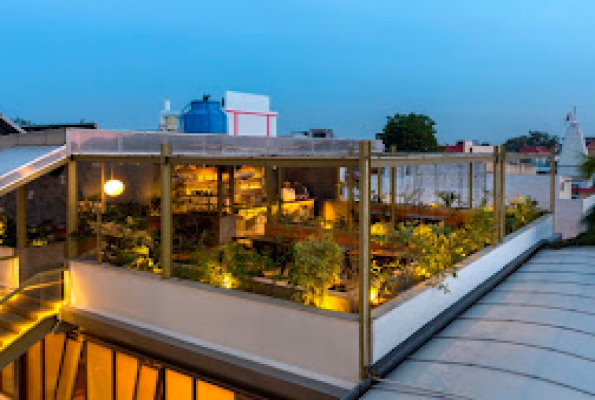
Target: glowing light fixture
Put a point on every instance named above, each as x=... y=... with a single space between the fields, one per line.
x=113 y=187
x=374 y=296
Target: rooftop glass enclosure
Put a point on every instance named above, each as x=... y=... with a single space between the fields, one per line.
x=272 y=224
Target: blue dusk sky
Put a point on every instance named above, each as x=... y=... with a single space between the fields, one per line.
x=483 y=70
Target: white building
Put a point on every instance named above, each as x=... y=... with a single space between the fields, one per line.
x=249 y=115
x=574 y=149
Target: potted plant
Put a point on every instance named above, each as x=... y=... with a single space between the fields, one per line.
x=317 y=265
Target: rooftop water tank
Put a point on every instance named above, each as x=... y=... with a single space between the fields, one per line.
x=204 y=116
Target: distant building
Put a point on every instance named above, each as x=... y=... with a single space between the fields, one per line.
x=574 y=149
x=250 y=115
x=237 y=114
x=315 y=133
x=590 y=143
x=469 y=146
x=542 y=164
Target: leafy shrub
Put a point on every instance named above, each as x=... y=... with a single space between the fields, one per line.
x=520 y=212
x=318 y=263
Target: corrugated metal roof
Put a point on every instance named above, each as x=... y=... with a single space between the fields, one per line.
x=532 y=337
x=15 y=157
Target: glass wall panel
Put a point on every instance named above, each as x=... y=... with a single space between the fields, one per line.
x=34 y=373
x=126 y=374
x=99 y=372
x=177 y=386
x=8 y=379
x=53 y=348
x=69 y=369
x=147 y=383
x=207 y=391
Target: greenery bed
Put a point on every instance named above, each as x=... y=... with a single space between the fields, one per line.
x=314 y=266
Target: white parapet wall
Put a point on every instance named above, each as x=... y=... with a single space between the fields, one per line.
x=318 y=344
x=569 y=215
x=394 y=323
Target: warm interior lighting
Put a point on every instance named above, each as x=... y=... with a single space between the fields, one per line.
x=227 y=281
x=113 y=187
x=374 y=295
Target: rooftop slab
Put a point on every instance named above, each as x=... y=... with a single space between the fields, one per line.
x=531 y=337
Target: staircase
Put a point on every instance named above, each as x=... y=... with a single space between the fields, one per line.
x=29 y=312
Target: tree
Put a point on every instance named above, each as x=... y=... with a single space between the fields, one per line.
x=410 y=132
x=21 y=121
x=533 y=139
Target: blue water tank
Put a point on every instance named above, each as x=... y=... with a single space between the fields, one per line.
x=204 y=116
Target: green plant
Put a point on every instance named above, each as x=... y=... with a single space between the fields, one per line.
x=127 y=244
x=520 y=212
x=318 y=262
x=448 y=198
x=8 y=231
x=3 y=222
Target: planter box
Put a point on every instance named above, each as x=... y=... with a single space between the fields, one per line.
x=315 y=343
x=319 y=344
x=399 y=319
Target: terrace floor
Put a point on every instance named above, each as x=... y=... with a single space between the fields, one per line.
x=532 y=337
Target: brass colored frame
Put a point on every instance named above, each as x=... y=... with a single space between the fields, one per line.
x=365 y=160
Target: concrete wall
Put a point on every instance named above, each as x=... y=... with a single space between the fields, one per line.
x=397 y=320
x=569 y=214
x=46 y=199
x=535 y=186
x=320 y=344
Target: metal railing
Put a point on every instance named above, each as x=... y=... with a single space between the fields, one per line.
x=44 y=287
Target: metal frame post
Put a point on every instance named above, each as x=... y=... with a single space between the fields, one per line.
x=72 y=210
x=351 y=201
x=495 y=201
x=365 y=320
x=470 y=185
x=20 y=377
x=103 y=196
x=279 y=193
x=553 y=183
x=232 y=188
x=502 y=218
x=339 y=184
x=21 y=194
x=393 y=190
x=268 y=179
x=166 y=210
x=379 y=183
x=219 y=191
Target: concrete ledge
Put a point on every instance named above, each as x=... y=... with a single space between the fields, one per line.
x=230 y=371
